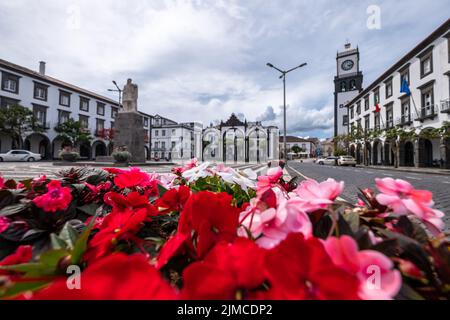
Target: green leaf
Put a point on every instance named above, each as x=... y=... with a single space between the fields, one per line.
x=51 y=258
x=89 y=209
x=80 y=246
x=57 y=242
x=21 y=287
x=352 y=219
x=69 y=235
x=161 y=190
x=13 y=209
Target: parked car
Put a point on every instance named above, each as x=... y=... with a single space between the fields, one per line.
x=328 y=161
x=346 y=161
x=20 y=155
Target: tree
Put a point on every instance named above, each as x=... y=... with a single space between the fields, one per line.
x=296 y=149
x=73 y=132
x=15 y=120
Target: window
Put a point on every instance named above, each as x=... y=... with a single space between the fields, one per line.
x=366 y=103
x=156 y=145
x=40 y=91
x=84 y=120
x=343 y=86
x=345 y=120
x=10 y=82
x=112 y=125
x=388 y=86
x=406 y=111
x=145 y=122
x=7 y=102
x=156 y=133
x=377 y=120
x=404 y=76
x=114 y=112
x=163 y=133
x=63 y=116
x=427 y=102
x=173 y=144
x=426 y=64
x=100 y=109
x=100 y=125
x=358 y=107
x=389 y=116
x=352 y=113
x=366 y=123
x=173 y=131
x=40 y=113
x=64 y=98
x=376 y=96
x=163 y=145
x=84 y=104
x=352 y=85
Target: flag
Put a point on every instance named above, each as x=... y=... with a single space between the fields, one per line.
x=405 y=88
x=377 y=108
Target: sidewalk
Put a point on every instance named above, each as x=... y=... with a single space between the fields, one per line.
x=409 y=169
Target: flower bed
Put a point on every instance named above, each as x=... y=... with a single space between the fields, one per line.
x=211 y=232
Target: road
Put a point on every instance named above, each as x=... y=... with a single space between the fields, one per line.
x=361 y=177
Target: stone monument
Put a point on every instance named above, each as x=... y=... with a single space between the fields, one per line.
x=129 y=132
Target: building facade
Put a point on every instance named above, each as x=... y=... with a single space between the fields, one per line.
x=175 y=141
x=347 y=85
x=240 y=141
x=398 y=117
x=53 y=102
x=308 y=147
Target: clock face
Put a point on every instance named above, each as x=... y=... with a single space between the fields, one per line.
x=347 y=65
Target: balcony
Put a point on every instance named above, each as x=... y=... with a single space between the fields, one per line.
x=40 y=125
x=445 y=106
x=429 y=112
x=404 y=120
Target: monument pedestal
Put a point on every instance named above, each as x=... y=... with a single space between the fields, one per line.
x=129 y=132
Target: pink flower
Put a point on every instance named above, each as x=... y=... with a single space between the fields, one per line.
x=191 y=164
x=271 y=226
x=264 y=183
x=4 y=224
x=378 y=279
x=57 y=198
x=2 y=182
x=315 y=196
x=403 y=199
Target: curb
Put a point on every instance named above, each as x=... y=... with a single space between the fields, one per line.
x=437 y=172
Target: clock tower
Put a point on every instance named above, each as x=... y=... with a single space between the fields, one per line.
x=347 y=85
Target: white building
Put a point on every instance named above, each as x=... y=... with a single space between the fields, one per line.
x=308 y=147
x=54 y=101
x=426 y=70
x=175 y=141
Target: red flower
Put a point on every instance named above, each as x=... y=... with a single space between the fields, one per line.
x=229 y=271
x=116 y=277
x=212 y=217
x=57 y=198
x=23 y=254
x=173 y=199
x=133 y=178
x=2 y=182
x=133 y=200
x=173 y=247
x=301 y=269
x=118 y=225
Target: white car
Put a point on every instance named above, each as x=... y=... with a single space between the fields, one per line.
x=346 y=161
x=327 y=160
x=20 y=155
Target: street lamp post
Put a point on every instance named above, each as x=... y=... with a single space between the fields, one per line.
x=117 y=90
x=283 y=76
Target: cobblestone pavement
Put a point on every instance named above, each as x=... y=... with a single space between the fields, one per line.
x=25 y=170
x=355 y=178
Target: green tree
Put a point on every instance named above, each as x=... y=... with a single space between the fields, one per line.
x=15 y=120
x=73 y=132
x=297 y=149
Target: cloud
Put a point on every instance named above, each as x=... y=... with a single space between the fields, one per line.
x=198 y=60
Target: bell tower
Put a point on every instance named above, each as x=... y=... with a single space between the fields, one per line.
x=347 y=85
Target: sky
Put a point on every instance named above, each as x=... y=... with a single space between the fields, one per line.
x=201 y=60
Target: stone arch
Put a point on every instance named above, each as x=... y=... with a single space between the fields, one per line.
x=377 y=152
x=233 y=145
x=98 y=149
x=211 y=145
x=256 y=145
x=406 y=157
x=368 y=158
x=85 y=150
x=389 y=153
x=38 y=143
x=58 y=144
x=359 y=153
x=353 y=151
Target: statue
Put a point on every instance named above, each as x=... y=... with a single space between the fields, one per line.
x=130 y=96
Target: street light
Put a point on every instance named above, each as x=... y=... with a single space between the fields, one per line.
x=117 y=90
x=283 y=76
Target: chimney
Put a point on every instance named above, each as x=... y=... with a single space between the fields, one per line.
x=42 y=67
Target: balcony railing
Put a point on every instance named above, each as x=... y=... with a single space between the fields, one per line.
x=39 y=125
x=404 y=120
x=429 y=112
x=445 y=106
